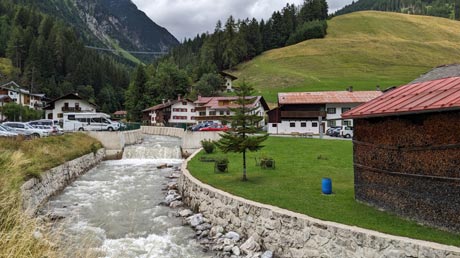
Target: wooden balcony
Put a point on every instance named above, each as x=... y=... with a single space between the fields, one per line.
x=302 y=114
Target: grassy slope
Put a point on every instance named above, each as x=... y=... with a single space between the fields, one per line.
x=362 y=49
x=295 y=184
x=19 y=160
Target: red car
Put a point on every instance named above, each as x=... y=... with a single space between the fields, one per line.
x=214 y=127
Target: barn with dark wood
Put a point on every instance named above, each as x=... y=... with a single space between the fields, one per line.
x=407 y=152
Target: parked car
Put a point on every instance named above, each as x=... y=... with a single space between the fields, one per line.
x=335 y=132
x=346 y=132
x=199 y=126
x=6 y=133
x=26 y=134
x=48 y=124
x=331 y=130
x=214 y=127
x=24 y=127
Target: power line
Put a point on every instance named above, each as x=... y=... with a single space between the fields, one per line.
x=131 y=52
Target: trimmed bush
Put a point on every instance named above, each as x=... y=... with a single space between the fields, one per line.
x=208 y=146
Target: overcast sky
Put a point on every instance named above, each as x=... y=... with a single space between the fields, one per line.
x=187 y=18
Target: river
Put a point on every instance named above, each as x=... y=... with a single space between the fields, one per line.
x=113 y=210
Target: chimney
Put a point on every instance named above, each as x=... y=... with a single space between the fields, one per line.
x=378 y=88
x=179 y=97
x=163 y=101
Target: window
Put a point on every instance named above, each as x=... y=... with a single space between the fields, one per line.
x=314 y=124
x=331 y=110
x=303 y=124
x=184 y=103
x=345 y=109
x=70 y=117
x=192 y=110
x=202 y=113
x=179 y=110
x=60 y=115
x=228 y=113
x=212 y=113
x=221 y=113
x=96 y=120
x=291 y=124
x=274 y=125
x=331 y=123
x=180 y=117
x=77 y=106
x=347 y=122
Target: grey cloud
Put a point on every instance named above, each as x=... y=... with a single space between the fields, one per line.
x=187 y=18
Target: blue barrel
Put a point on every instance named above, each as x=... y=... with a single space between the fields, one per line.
x=326 y=186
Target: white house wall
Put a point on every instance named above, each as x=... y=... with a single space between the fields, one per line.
x=190 y=113
x=58 y=105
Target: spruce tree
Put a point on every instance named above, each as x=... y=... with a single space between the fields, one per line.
x=246 y=134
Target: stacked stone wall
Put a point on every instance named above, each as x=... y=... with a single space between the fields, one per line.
x=291 y=234
x=36 y=191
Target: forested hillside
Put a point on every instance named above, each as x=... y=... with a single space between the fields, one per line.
x=48 y=57
x=237 y=41
x=440 y=8
x=112 y=24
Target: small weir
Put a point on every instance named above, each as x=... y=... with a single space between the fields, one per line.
x=113 y=210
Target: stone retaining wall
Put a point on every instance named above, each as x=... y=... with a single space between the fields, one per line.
x=291 y=234
x=36 y=192
x=166 y=131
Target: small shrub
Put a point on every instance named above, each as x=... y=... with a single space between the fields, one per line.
x=208 y=145
x=222 y=164
x=321 y=157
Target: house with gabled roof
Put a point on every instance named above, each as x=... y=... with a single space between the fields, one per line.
x=179 y=112
x=69 y=103
x=228 y=81
x=311 y=112
x=407 y=152
x=218 y=109
x=22 y=96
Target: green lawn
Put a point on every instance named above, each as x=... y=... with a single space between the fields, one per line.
x=295 y=185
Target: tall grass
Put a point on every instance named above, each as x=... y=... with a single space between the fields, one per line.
x=20 y=160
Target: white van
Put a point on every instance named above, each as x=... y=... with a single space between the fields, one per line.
x=346 y=132
x=88 y=122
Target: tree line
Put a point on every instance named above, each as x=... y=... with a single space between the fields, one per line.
x=440 y=8
x=49 y=57
x=237 y=41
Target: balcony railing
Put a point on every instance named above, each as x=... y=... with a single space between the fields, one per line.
x=71 y=109
x=302 y=114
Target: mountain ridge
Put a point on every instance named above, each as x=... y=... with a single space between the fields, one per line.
x=113 y=24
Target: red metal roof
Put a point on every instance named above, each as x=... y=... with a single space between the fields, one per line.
x=437 y=95
x=325 y=97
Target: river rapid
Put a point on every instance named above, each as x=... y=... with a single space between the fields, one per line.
x=113 y=210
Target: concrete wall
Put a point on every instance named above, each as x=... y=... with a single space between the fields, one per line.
x=190 y=140
x=291 y=234
x=36 y=192
x=114 y=142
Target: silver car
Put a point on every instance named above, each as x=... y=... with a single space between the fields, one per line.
x=24 y=127
x=5 y=133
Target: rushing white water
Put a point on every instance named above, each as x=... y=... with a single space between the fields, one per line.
x=113 y=211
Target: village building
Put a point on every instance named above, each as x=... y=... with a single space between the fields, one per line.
x=228 y=81
x=218 y=109
x=22 y=96
x=180 y=112
x=313 y=112
x=407 y=150
x=69 y=103
x=120 y=114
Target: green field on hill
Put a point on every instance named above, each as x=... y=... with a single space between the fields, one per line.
x=362 y=50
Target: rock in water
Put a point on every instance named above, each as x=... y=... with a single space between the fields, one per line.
x=195 y=220
x=185 y=213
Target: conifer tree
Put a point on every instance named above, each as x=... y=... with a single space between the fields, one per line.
x=246 y=134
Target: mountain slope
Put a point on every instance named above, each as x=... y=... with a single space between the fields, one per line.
x=113 y=24
x=363 y=49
